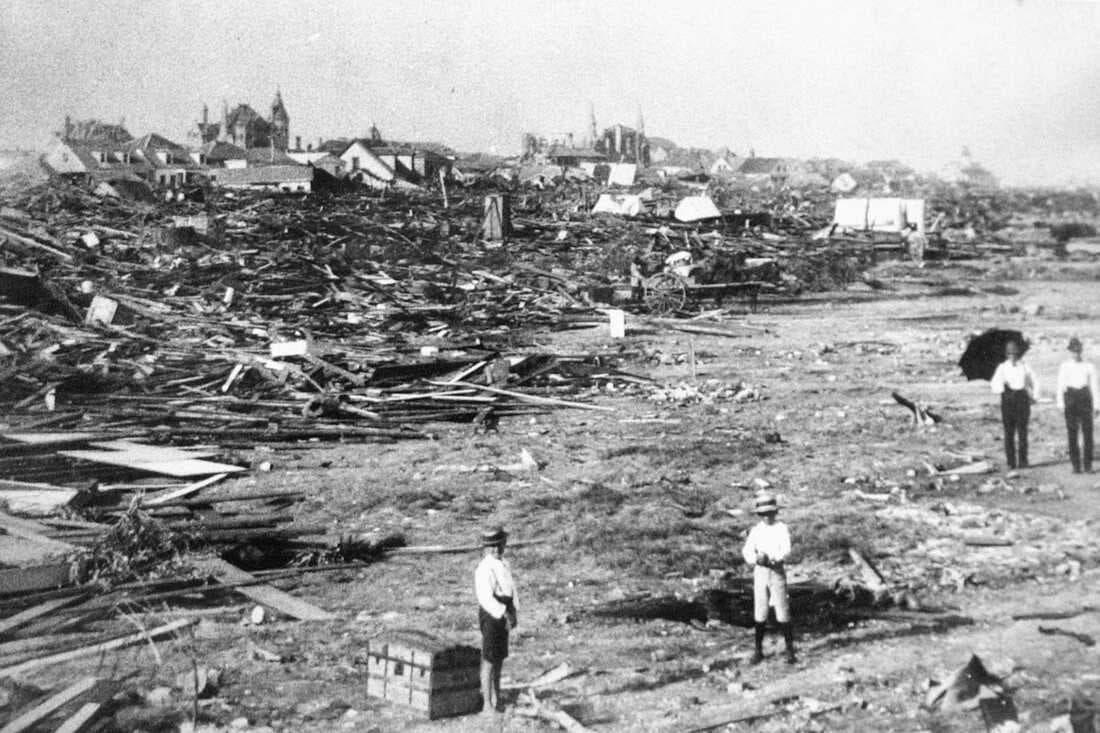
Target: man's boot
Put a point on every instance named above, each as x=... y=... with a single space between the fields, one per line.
x=758 y=638
x=788 y=639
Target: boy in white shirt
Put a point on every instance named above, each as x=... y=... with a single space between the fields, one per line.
x=766 y=549
x=1077 y=395
x=496 y=598
x=1016 y=384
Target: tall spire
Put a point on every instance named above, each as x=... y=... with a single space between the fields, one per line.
x=592 y=124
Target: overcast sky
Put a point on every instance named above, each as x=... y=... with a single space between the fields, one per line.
x=1018 y=81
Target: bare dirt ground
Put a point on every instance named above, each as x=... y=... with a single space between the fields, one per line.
x=635 y=501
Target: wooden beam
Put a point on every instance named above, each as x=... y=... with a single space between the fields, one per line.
x=167 y=496
x=94 y=649
x=80 y=720
x=533 y=399
x=33 y=531
x=261 y=593
x=12 y=622
x=47 y=707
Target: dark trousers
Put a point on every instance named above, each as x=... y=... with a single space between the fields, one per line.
x=1015 y=411
x=1079 y=420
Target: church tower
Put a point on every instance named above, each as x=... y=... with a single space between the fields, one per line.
x=280 y=123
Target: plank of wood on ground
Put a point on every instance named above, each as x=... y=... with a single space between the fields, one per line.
x=119 y=643
x=81 y=719
x=267 y=595
x=35 y=532
x=179 y=467
x=47 y=707
x=167 y=496
x=28 y=615
x=522 y=397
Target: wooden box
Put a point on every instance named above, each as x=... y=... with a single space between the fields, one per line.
x=425 y=672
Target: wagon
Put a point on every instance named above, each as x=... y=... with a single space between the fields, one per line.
x=667 y=292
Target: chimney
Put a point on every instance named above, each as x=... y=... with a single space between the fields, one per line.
x=309 y=148
x=68 y=126
x=205 y=115
x=297 y=142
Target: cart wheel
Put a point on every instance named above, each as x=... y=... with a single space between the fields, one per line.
x=665 y=293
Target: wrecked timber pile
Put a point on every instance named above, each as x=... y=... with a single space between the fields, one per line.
x=296 y=318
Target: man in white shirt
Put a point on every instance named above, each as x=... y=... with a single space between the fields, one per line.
x=496 y=598
x=1077 y=395
x=766 y=549
x=1016 y=384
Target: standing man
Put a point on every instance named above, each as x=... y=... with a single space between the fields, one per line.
x=496 y=597
x=637 y=278
x=1016 y=384
x=1077 y=394
x=915 y=243
x=766 y=549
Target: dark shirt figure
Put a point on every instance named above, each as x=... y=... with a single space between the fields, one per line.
x=1016 y=384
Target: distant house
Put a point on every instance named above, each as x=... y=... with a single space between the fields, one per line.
x=220 y=154
x=415 y=162
x=280 y=178
x=572 y=157
x=365 y=167
x=661 y=150
x=171 y=165
x=152 y=158
x=778 y=170
x=258 y=157
x=724 y=165
x=330 y=164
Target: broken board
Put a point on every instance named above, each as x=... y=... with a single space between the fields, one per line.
x=261 y=593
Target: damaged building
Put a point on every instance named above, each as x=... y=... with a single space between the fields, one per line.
x=245 y=127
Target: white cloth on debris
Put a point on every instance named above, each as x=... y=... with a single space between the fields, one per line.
x=493 y=578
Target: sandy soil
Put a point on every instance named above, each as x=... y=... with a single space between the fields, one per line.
x=614 y=496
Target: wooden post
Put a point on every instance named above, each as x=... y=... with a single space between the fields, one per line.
x=497 y=224
x=443 y=187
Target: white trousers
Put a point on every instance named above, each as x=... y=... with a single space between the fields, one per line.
x=770 y=589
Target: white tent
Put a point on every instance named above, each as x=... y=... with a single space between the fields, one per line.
x=844 y=183
x=879 y=215
x=622 y=174
x=696 y=208
x=622 y=204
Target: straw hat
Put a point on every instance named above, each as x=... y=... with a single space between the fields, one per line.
x=765 y=503
x=494 y=536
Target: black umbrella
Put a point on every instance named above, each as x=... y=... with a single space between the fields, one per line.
x=986 y=351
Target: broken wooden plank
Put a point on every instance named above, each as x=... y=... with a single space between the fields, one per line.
x=33 y=531
x=81 y=719
x=1055 y=631
x=178 y=467
x=34 y=500
x=94 y=649
x=28 y=615
x=167 y=496
x=261 y=593
x=45 y=576
x=50 y=705
x=986 y=541
x=533 y=399
x=872 y=578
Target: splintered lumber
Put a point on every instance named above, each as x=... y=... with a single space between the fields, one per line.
x=50 y=705
x=34 y=499
x=872 y=578
x=1055 y=631
x=262 y=593
x=533 y=399
x=94 y=649
x=28 y=615
x=168 y=496
x=81 y=719
x=37 y=533
x=173 y=466
x=454 y=549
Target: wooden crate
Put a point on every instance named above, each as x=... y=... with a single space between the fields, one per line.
x=433 y=675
